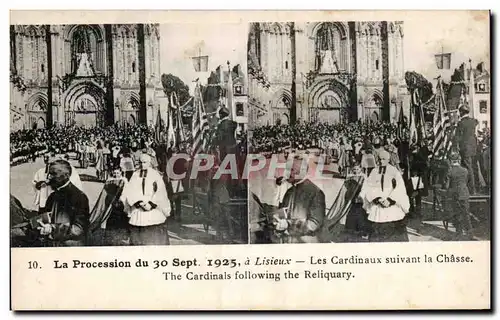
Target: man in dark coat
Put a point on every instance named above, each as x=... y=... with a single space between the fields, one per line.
x=68 y=208
x=225 y=140
x=304 y=208
x=225 y=137
x=458 y=196
x=467 y=143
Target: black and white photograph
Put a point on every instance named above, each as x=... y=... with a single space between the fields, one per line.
x=388 y=122
x=97 y=114
x=209 y=160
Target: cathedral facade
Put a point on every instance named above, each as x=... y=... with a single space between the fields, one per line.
x=85 y=75
x=331 y=71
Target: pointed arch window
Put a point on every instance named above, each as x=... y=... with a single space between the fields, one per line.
x=84 y=50
x=328 y=48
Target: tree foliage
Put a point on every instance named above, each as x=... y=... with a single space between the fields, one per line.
x=172 y=83
x=416 y=81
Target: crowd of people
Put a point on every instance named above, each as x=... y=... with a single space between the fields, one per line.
x=368 y=148
x=24 y=144
x=276 y=138
x=349 y=144
x=127 y=159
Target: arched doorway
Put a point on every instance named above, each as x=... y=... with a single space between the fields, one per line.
x=84 y=105
x=40 y=123
x=281 y=109
x=85 y=111
x=329 y=108
x=37 y=110
x=374 y=107
x=130 y=109
x=131 y=120
x=285 y=118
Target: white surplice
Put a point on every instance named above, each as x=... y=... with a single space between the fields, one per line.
x=393 y=188
x=154 y=191
x=281 y=191
x=43 y=193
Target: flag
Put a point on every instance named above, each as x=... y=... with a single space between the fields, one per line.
x=414 y=125
x=200 y=122
x=181 y=137
x=441 y=123
x=413 y=128
x=443 y=61
x=472 y=91
x=343 y=202
x=230 y=96
x=200 y=63
x=171 y=136
x=175 y=119
x=402 y=126
x=160 y=126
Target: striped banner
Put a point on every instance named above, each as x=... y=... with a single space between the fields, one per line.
x=200 y=123
x=441 y=123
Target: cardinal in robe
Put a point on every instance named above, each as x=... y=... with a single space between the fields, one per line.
x=146 y=201
x=386 y=201
x=303 y=207
x=42 y=186
x=67 y=209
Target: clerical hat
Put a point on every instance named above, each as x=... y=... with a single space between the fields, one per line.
x=223 y=112
x=464 y=108
x=454 y=156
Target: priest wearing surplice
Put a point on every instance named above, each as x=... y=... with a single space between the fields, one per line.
x=146 y=200
x=386 y=201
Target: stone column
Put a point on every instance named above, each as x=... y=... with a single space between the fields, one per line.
x=143 y=116
x=109 y=72
x=50 y=106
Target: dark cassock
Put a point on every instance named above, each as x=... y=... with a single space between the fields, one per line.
x=386 y=202
x=225 y=140
x=457 y=203
x=69 y=212
x=304 y=208
x=419 y=179
x=177 y=185
x=148 y=205
x=225 y=136
x=467 y=143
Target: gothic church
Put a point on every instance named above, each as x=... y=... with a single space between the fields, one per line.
x=335 y=71
x=87 y=75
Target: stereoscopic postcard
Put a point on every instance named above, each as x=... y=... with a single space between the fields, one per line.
x=250 y=160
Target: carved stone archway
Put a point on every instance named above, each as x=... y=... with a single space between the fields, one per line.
x=281 y=106
x=37 y=109
x=84 y=104
x=130 y=108
x=329 y=102
x=374 y=106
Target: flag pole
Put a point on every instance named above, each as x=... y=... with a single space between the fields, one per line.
x=471 y=90
x=195 y=111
